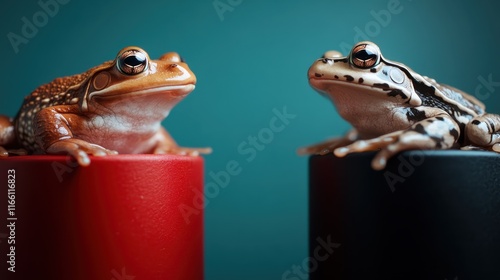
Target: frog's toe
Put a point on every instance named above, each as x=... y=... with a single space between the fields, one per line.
x=305 y=150
x=388 y=147
x=182 y=151
x=322 y=148
x=204 y=151
x=3 y=152
x=366 y=145
x=79 y=149
x=472 y=148
x=313 y=150
x=407 y=141
x=496 y=147
x=380 y=160
x=6 y=152
x=18 y=152
x=81 y=156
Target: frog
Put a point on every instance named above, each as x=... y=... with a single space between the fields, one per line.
x=393 y=109
x=114 y=108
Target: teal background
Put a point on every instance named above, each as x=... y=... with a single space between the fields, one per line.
x=248 y=62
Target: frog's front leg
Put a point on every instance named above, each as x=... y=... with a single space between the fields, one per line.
x=54 y=136
x=165 y=144
x=330 y=145
x=484 y=131
x=8 y=138
x=7 y=135
x=437 y=131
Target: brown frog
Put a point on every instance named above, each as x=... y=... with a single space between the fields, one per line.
x=116 y=107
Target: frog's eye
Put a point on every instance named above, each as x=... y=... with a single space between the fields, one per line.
x=132 y=61
x=365 y=56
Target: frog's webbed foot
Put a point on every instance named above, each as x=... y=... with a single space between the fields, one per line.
x=494 y=148
x=79 y=149
x=484 y=131
x=322 y=148
x=389 y=145
x=329 y=145
x=472 y=148
x=6 y=152
x=7 y=135
x=167 y=145
x=176 y=150
x=3 y=152
x=434 y=133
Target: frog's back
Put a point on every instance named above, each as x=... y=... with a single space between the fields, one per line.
x=60 y=91
x=472 y=105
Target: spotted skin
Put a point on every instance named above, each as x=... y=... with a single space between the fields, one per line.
x=484 y=131
x=393 y=109
x=61 y=91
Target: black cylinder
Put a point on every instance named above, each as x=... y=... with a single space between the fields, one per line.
x=428 y=215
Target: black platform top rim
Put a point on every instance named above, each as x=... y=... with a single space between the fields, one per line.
x=429 y=153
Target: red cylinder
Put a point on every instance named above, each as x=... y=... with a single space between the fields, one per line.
x=123 y=217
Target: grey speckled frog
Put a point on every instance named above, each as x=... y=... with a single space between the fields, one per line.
x=393 y=109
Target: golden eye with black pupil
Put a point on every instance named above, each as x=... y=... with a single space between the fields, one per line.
x=132 y=62
x=365 y=56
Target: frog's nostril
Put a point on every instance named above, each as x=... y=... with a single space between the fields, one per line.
x=326 y=60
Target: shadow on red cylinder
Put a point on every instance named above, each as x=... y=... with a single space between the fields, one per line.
x=121 y=218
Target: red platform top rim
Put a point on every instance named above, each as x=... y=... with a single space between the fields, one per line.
x=108 y=158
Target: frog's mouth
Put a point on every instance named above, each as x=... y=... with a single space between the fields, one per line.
x=359 y=85
x=350 y=86
x=173 y=91
x=325 y=84
x=170 y=94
